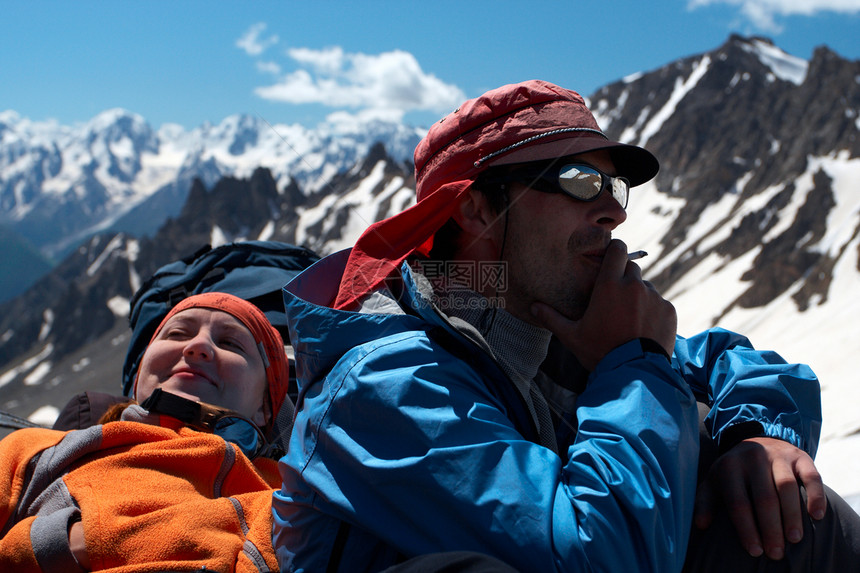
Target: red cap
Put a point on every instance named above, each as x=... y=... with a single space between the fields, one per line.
x=516 y=123
x=265 y=335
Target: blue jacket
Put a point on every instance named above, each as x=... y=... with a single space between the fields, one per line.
x=409 y=439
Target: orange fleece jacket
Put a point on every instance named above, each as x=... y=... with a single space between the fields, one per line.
x=149 y=498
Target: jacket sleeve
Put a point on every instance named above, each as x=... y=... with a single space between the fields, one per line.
x=37 y=543
x=418 y=453
x=743 y=385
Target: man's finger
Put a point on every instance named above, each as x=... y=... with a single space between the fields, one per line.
x=633 y=271
x=816 y=498
x=614 y=262
x=789 y=502
x=740 y=511
x=766 y=504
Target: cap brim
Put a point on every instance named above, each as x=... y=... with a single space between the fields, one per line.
x=637 y=164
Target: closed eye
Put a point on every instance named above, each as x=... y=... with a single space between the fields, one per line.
x=233 y=343
x=174 y=333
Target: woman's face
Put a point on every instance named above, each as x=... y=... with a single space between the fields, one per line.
x=208 y=356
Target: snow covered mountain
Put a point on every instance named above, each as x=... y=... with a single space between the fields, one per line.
x=60 y=184
x=753 y=222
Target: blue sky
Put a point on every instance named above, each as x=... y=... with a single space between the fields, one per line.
x=189 y=62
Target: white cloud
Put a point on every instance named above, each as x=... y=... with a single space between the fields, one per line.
x=762 y=12
x=328 y=61
x=269 y=68
x=349 y=122
x=252 y=43
x=391 y=81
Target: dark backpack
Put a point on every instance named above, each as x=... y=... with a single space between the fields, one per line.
x=253 y=270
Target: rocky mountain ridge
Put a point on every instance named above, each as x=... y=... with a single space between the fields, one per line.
x=61 y=184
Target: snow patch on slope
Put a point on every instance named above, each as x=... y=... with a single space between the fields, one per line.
x=784 y=66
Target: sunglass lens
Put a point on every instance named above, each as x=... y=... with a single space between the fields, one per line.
x=621 y=190
x=585 y=183
x=580 y=181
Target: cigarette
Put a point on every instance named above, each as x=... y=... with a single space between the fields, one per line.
x=636 y=255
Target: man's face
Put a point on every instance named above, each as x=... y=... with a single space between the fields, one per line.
x=208 y=356
x=555 y=244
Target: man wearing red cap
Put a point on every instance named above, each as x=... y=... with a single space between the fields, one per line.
x=431 y=419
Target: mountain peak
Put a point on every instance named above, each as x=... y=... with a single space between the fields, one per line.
x=9 y=117
x=783 y=65
x=117 y=118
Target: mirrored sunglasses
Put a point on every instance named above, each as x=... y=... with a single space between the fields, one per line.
x=577 y=180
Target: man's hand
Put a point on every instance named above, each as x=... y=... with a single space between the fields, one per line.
x=758 y=483
x=622 y=308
